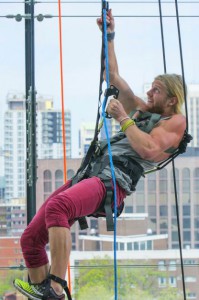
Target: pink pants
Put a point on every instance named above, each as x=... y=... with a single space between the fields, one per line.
x=60 y=210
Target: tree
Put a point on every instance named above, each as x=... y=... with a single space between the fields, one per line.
x=98 y=292
x=95 y=280
x=6 y=281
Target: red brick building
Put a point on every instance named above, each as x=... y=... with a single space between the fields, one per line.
x=10 y=252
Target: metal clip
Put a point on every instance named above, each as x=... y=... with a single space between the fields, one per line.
x=110 y=93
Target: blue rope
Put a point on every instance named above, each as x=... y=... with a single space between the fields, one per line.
x=109 y=149
x=106 y=48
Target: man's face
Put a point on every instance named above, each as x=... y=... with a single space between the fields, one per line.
x=157 y=98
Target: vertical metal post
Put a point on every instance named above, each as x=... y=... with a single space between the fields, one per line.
x=31 y=154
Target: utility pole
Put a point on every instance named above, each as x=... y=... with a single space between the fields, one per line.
x=31 y=151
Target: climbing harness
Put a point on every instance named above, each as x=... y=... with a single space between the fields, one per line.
x=85 y=170
x=62 y=282
x=111 y=91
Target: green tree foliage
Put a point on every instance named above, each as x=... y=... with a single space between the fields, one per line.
x=95 y=292
x=95 y=280
x=170 y=293
x=6 y=280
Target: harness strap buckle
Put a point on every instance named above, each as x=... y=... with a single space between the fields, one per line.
x=107 y=205
x=108 y=211
x=58 y=280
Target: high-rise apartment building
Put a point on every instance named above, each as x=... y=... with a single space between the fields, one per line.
x=86 y=135
x=50 y=131
x=2 y=178
x=49 y=139
x=15 y=146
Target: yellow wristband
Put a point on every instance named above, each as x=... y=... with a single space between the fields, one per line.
x=127 y=124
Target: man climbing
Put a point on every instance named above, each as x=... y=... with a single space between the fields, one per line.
x=149 y=133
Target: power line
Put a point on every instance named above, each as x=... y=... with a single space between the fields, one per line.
x=95 y=16
x=98 y=2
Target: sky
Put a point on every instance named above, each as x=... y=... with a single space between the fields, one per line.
x=137 y=42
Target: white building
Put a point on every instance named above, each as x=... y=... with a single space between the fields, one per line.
x=86 y=135
x=49 y=139
x=87 y=131
x=2 y=179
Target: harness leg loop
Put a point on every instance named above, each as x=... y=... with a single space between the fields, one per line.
x=63 y=283
x=107 y=205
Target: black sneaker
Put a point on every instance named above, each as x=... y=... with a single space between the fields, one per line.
x=39 y=291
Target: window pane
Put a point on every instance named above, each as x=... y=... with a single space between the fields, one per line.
x=47 y=175
x=186 y=223
x=58 y=174
x=163 y=210
x=47 y=187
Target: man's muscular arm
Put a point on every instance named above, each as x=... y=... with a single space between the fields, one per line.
x=168 y=133
x=126 y=95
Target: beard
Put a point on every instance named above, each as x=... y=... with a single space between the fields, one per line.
x=156 y=110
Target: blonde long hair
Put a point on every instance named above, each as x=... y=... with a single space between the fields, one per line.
x=174 y=85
